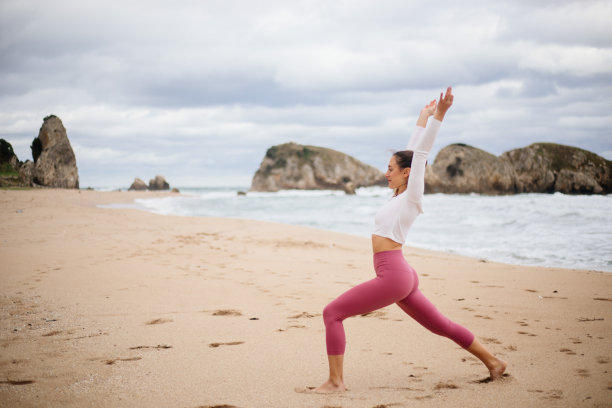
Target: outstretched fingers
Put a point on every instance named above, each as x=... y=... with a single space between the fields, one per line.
x=445 y=102
x=447 y=97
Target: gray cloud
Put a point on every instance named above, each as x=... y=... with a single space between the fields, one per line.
x=199 y=90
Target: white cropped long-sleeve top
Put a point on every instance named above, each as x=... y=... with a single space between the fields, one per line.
x=395 y=218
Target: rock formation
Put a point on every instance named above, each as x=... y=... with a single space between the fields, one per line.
x=158 y=183
x=549 y=167
x=54 y=161
x=459 y=168
x=26 y=173
x=138 y=185
x=538 y=168
x=294 y=166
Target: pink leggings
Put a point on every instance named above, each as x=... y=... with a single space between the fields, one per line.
x=395 y=282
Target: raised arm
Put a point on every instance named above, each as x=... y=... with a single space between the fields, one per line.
x=421 y=124
x=426 y=112
x=416 y=180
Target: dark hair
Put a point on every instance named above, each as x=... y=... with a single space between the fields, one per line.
x=403 y=158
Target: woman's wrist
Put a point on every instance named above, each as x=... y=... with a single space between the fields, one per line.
x=422 y=120
x=439 y=115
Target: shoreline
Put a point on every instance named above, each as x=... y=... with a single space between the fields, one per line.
x=494 y=258
x=121 y=307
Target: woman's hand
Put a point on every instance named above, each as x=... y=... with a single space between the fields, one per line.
x=430 y=108
x=446 y=101
x=426 y=112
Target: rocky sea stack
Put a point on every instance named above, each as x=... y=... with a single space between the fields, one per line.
x=550 y=168
x=158 y=183
x=54 y=161
x=294 y=166
x=538 y=168
x=463 y=169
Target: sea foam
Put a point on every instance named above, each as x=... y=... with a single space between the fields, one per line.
x=527 y=229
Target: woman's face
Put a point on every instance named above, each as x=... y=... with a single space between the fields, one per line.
x=396 y=176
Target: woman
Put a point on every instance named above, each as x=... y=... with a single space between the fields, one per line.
x=396 y=281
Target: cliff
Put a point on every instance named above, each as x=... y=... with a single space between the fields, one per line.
x=54 y=160
x=549 y=167
x=293 y=166
x=460 y=168
x=538 y=168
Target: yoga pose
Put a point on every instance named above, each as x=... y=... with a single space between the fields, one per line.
x=396 y=281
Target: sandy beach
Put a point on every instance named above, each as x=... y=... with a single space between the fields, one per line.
x=122 y=308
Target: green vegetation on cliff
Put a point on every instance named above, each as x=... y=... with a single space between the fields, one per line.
x=305 y=154
x=564 y=157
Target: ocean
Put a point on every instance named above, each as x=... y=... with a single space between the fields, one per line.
x=553 y=230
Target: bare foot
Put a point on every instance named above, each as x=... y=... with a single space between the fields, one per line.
x=497 y=369
x=330 y=387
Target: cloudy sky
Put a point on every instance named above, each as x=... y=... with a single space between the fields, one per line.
x=198 y=90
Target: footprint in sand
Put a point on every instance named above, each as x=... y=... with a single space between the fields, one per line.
x=397 y=389
x=445 y=386
x=217 y=406
x=231 y=343
x=415 y=378
x=603 y=360
x=227 y=312
x=305 y=390
x=158 y=321
x=583 y=372
x=528 y=334
x=114 y=360
x=158 y=347
x=52 y=333
x=490 y=340
x=589 y=319
x=303 y=315
x=17 y=382
x=551 y=395
x=293 y=326
x=567 y=351
x=377 y=313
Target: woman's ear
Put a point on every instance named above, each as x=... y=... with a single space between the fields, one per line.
x=406 y=172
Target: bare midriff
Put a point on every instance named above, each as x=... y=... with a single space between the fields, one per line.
x=380 y=244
